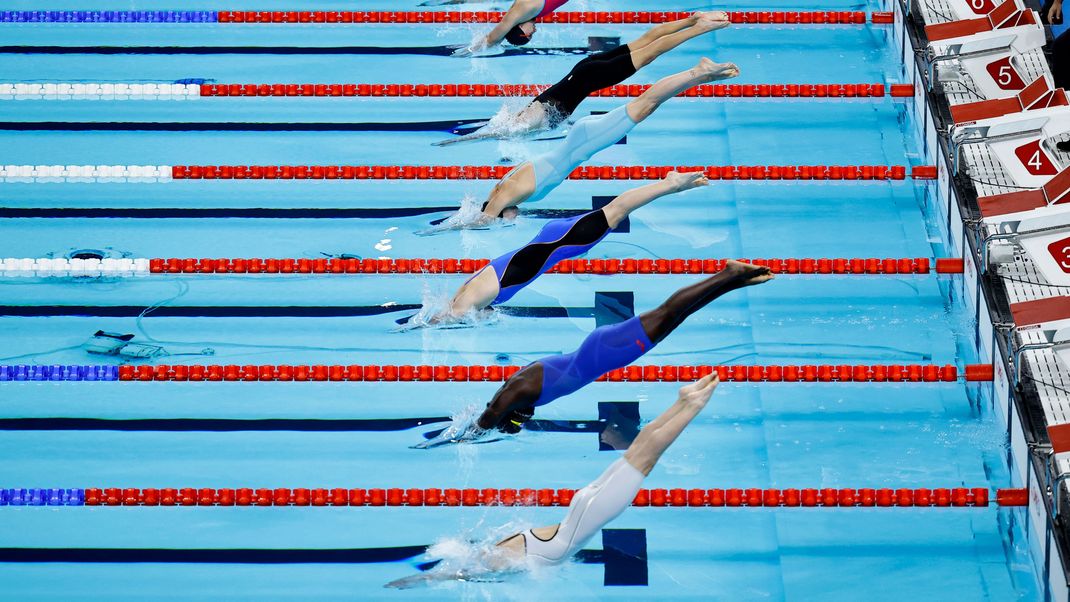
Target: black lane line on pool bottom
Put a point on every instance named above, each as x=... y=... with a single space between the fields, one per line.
x=372 y=50
x=217 y=425
x=310 y=425
x=624 y=556
x=451 y=126
x=251 y=212
x=297 y=311
x=221 y=556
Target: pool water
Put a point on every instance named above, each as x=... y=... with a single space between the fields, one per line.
x=782 y=435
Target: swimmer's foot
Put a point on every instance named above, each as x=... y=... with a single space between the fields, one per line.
x=681 y=181
x=711 y=71
x=712 y=20
x=746 y=274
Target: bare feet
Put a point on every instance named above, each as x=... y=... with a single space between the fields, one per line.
x=711 y=71
x=679 y=182
x=699 y=392
x=747 y=274
x=712 y=20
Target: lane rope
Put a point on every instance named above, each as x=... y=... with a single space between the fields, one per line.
x=825 y=373
x=172 y=91
x=960 y=497
x=427 y=17
x=53 y=267
x=163 y=173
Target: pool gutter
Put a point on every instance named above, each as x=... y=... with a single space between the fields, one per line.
x=1030 y=457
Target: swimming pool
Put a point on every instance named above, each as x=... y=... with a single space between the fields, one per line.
x=356 y=434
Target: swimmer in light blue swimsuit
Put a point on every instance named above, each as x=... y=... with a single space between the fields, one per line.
x=559 y=239
x=533 y=180
x=605 y=349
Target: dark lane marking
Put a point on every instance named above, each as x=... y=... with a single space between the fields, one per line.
x=372 y=50
x=296 y=311
x=225 y=556
x=217 y=425
x=251 y=212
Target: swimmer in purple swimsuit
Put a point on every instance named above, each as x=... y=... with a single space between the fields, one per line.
x=559 y=239
x=606 y=348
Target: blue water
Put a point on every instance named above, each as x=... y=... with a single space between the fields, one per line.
x=752 y=435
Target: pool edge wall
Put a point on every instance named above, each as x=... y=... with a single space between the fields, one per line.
x=1021 y=412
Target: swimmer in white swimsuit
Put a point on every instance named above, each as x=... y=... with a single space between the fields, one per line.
x=533 y=180
x=592 y=507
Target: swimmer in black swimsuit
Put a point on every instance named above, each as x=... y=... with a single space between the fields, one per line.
x=557 y=103
x=606 y=348
x=559 y=239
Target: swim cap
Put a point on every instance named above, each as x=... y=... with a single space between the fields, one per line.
x=514 y=421
x=517 y=37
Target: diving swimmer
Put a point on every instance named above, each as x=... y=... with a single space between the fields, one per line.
x=601 y=70
x=592 y=507
x=534 y=179
x=516 y=27
x=606 y=348
x=559 y=239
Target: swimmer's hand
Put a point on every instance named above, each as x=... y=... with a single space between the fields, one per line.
x=455 y=433
x=412 y=581
x=468 y=51
x=448 y=227
x=476 y=49
x=454 y=223
x=462 y=51
x=484 y=133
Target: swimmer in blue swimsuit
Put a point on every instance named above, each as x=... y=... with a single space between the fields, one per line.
x=533 y=180
x=559 y=239
x=606 y=348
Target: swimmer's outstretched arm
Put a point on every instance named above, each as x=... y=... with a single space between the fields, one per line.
x=432 y=576
x=447 y=2
x=529 y=121
x=484 y=133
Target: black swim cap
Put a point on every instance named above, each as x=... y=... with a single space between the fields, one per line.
x=514 y=421
x=517 y=37
x=500 y=215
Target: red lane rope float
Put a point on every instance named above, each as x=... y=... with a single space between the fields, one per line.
x=835 y=266
x=510 y=90
x=658 y=498
x=587 y=17
x=495 y=172
x=825 y=373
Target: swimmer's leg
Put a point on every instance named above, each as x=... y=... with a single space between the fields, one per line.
x=610 y=494
x=661 y=30
x=664 y=89
x=657 y=436
x=622 y=206
x=646 y=53
x=662 y=320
